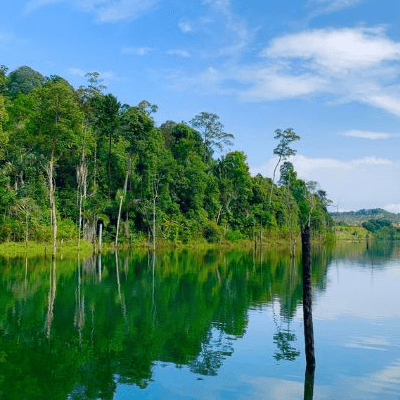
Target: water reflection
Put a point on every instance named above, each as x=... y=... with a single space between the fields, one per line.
x=283 y=340
x=112 y=318
x=309 y=385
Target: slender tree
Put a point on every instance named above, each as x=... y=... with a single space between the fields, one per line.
x=283 y=150
x=212 y=130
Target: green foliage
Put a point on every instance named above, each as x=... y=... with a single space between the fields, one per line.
x=234 y=236
x=67 y=229
x=283 y=151
x=374 y=225
x=212 y=131
x=167 y=173
x=23 y=80
x=212 y=232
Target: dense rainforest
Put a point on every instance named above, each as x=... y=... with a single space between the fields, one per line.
x=74 y=162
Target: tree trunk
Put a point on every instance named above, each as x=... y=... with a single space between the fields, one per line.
x=27 y=229
x=80 y=222
x=121 y=199
x=154 y=223
x=51 y=298
x=309 y=386
x=307 y=299
x=273 y=180
x=53 y=203
x=100 y=236
x=128 y=168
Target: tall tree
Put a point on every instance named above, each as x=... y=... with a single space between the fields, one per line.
x=107 y=121
x=235 y=188
x=212 y=130
x=283 y=150
x=6 y=194
x=55 y=129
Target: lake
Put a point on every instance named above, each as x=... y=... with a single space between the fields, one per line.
x=200 y=325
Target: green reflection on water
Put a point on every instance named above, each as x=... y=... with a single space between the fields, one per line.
x=78 y=328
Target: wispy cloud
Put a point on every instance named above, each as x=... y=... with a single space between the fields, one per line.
x=305 y=165
x=233 y=24
x=185 y=26
x=76 y=72
x=329 y=6
x=178 y=53
x=138 y=51
x=357 y=182
x=371 y=135
x=351 y=64
x=107 y=11
x=394 y=208
x=32 y=5
x=219 y=17
x=335 y=50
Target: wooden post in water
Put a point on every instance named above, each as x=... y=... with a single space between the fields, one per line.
x=309 y=385
x=307 y=300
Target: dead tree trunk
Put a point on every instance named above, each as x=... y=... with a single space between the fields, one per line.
x=121 y=199
x=81 y=176
x=52 y=203
x=155 y=183
x=51 y=298
x=307 y=299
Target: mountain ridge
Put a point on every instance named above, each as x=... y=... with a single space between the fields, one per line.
x=363 y=215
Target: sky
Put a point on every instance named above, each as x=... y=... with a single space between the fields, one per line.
x=329 y=69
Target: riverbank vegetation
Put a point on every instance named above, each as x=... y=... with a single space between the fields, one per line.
x=76 y=164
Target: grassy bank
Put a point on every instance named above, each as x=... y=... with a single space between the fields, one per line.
x=352 y=233
x=70 y=248
x=65 y=249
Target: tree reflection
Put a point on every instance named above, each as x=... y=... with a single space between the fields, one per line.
x=215 y=348
x=285 y=351
x=309 y=385
x=110 y=326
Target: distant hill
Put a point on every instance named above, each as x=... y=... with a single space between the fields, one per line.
x=360 y=216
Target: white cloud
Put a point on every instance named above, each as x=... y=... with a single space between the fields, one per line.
x=185 y=26
x=231 y=29
x=328 y=6
x=237 y=27
x=76 y=72
x=305 y=165
x=356 y=183
x=139 y=51
x=269 y=83
x=394 y=208
x=32 y=5
x=336 y=49
x=104 y=10
x=386 y=101
x=281 y=389
x=179 y=53
x=124 y=9
x=351 y=64
x=370 y=134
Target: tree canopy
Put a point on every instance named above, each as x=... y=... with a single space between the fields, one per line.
x=170 y=181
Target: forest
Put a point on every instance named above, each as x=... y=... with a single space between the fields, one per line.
x=75 y=163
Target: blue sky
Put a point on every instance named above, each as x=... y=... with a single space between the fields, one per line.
x=330 y=69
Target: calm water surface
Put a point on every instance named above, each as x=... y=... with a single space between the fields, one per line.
x=200 y=325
